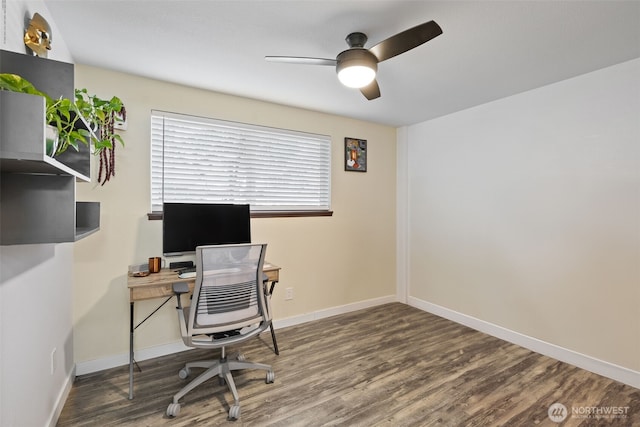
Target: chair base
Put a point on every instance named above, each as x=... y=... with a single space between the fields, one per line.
x=221 y=368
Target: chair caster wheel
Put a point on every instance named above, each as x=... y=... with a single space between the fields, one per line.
x=271 y=376
x=234 y=412
x=173 y=410
x=184 y=373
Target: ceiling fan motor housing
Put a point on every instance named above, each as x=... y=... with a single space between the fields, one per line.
x=356 y=39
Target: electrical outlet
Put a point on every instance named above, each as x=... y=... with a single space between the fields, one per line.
x=288 y=293
x=53 y=360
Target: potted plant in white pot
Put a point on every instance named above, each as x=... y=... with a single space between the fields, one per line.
x=62 y=115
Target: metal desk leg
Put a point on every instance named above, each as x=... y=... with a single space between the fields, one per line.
x=275 y=343
x=273 y=332
x=131 y=329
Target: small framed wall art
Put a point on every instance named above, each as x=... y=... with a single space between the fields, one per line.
x=355 y=151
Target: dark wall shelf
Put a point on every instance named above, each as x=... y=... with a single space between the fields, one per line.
x=87 y=219
x=54 y=78
x=37 y=192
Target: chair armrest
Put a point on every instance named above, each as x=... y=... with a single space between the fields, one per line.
x=180 y=288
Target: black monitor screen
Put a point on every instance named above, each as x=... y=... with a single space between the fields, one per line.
x=187 y=225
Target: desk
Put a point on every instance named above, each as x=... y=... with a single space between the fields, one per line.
x=159 y=285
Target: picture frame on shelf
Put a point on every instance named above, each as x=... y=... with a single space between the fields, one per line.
x=355 y=154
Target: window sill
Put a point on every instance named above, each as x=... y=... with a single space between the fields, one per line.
x=154 y=216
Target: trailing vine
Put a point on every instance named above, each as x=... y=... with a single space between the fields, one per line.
x=102 y=116
x=108 y=154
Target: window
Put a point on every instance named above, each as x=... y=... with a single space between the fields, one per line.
x=195 y=159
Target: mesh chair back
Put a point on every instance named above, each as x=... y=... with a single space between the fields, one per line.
x=229 y=291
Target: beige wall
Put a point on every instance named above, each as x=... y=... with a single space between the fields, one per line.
x=329 y=261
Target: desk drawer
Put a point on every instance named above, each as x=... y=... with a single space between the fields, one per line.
x=144 y=293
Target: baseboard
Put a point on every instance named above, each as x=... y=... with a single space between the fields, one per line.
x=62 y=398
x=101 y=364
x=333 y=311
x=597 y=366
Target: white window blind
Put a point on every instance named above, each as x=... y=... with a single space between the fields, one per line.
x=195 y=159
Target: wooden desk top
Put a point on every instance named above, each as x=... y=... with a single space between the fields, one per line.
x=158 y=285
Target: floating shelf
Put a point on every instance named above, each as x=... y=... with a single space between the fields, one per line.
x=37 y=191
x=87 y=219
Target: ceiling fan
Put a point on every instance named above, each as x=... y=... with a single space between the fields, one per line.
x=357 y=66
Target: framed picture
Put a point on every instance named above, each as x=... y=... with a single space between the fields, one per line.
x=355 y=151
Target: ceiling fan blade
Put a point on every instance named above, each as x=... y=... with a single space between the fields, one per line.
x=406 y=40
x=301 y=60
x=371 y=91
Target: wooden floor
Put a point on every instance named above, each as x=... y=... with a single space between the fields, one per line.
x=391 y=365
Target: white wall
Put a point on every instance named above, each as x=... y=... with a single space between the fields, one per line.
x=330 y=262
x=35 y=291
x=17 y=14
x=524 y=216
x=36 y=283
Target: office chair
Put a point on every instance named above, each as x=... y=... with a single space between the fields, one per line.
x=228 y=307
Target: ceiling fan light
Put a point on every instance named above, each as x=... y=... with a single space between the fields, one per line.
x=356 y=76
x=356 y=68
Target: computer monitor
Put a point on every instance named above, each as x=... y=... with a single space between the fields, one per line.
x=188 y=225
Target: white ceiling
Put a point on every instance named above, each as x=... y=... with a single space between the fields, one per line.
x=488 y=49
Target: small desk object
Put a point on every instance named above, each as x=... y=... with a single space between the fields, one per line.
x=159 y=285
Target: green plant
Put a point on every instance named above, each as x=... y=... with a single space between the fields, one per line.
x=15 y=83
x=65 y=115
x=102 y=115
x=61 y=113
